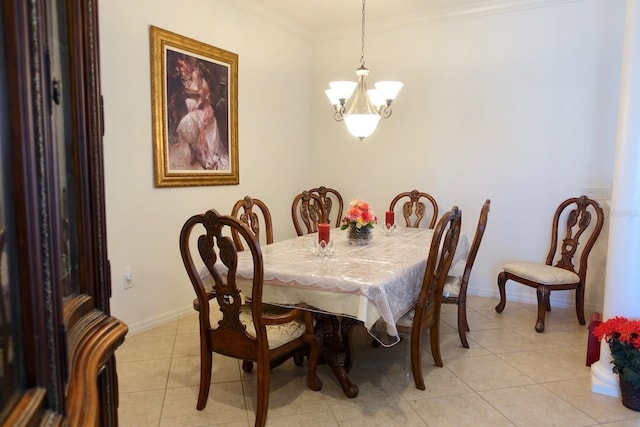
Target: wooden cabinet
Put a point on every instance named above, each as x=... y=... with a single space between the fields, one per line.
x=57 y=337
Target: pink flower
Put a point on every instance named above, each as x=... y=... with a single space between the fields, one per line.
x=360 y=214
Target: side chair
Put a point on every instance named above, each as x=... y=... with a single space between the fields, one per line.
x=414 y=207
x=455 y=287
x=234 y=327
x=307 y=213
x=330 y=198
x=571 y=222
x=426 y=311
x=248 y=210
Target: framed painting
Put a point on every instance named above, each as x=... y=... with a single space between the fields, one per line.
x=194 y=99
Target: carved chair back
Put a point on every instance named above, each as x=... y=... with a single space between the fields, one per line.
x=441 y=252
x=248 y=210
x=414 y=208
x=574 y=218
x=331 y=203
x=307 y=213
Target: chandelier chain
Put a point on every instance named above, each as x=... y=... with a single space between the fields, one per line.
x=362 y=45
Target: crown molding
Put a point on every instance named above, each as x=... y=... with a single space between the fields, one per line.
x=253 y=7
x=477 y=9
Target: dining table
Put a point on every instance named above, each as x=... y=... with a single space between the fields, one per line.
x=373 y=284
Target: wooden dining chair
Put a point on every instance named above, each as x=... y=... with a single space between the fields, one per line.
x=414 y=208
x=229 y=325
x=572 y=221
x=331 y=203
x=455 y=287
x=426 y=312
x=248 y=210
x=307 y=213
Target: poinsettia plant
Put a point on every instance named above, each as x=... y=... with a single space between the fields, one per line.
x=359 y=214
x=623 y=337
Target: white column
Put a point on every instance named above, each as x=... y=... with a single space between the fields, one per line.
x=622 y=282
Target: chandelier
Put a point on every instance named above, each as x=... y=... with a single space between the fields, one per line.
x=361 y=109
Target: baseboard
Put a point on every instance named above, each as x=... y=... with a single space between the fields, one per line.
x=169 y=316
x=512 y=295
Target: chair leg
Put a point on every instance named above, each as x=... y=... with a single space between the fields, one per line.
x=416 y=347
x=502 y=279
x=463 y=326
x=206 y=362
x=580 y=304
x=247 y=366
x=346 y=328
x=416 y=360
x=315 y=345
x=434 y=338
x=543 y=302
x=262 y=406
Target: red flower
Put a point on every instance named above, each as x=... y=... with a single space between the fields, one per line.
x=623 y=337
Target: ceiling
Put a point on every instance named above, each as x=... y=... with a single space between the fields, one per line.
x=321 y=16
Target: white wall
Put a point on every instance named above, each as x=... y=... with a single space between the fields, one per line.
x=143 y=222
x=518 y=107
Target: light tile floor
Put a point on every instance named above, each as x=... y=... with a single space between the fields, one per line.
x=510 y=376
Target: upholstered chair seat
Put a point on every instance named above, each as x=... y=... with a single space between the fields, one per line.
x=542 y=273
x=277 y=335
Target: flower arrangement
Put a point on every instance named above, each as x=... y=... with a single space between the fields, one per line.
x=360 y=215
x=623 y=337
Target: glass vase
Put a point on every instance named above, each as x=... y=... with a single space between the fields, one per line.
x=358 y=236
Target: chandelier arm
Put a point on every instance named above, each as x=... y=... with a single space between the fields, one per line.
x=384 y=111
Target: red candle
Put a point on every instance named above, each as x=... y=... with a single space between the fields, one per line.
x=323 y=232
x=389 y=219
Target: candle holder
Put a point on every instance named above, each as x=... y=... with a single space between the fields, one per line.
x=323 y=249
x=389 y=229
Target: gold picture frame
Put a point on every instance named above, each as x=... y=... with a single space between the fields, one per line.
x=194 y=99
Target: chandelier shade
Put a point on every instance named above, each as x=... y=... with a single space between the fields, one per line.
x=360 y=108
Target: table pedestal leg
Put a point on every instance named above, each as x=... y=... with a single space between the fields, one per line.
x=334 y=354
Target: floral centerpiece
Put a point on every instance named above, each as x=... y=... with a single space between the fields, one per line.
x=359 y=219
x=623 y=337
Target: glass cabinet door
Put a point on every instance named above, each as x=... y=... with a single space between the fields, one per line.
x=65 y=175
x=54 y=271
x=12 y=373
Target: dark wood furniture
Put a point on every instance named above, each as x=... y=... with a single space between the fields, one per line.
x=249 y=210
x=331 y=203
x=414 y=208
x=307 y=213
x=577 y=214
x=455 y=287
x=247 y=331
x=426 y=312
x=60 y=368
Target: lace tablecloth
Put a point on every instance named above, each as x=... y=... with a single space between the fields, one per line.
x=376 y=283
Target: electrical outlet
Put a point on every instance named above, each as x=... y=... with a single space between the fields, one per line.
x=128 y=278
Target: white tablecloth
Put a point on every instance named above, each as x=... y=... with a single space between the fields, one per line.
x=376 y=283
